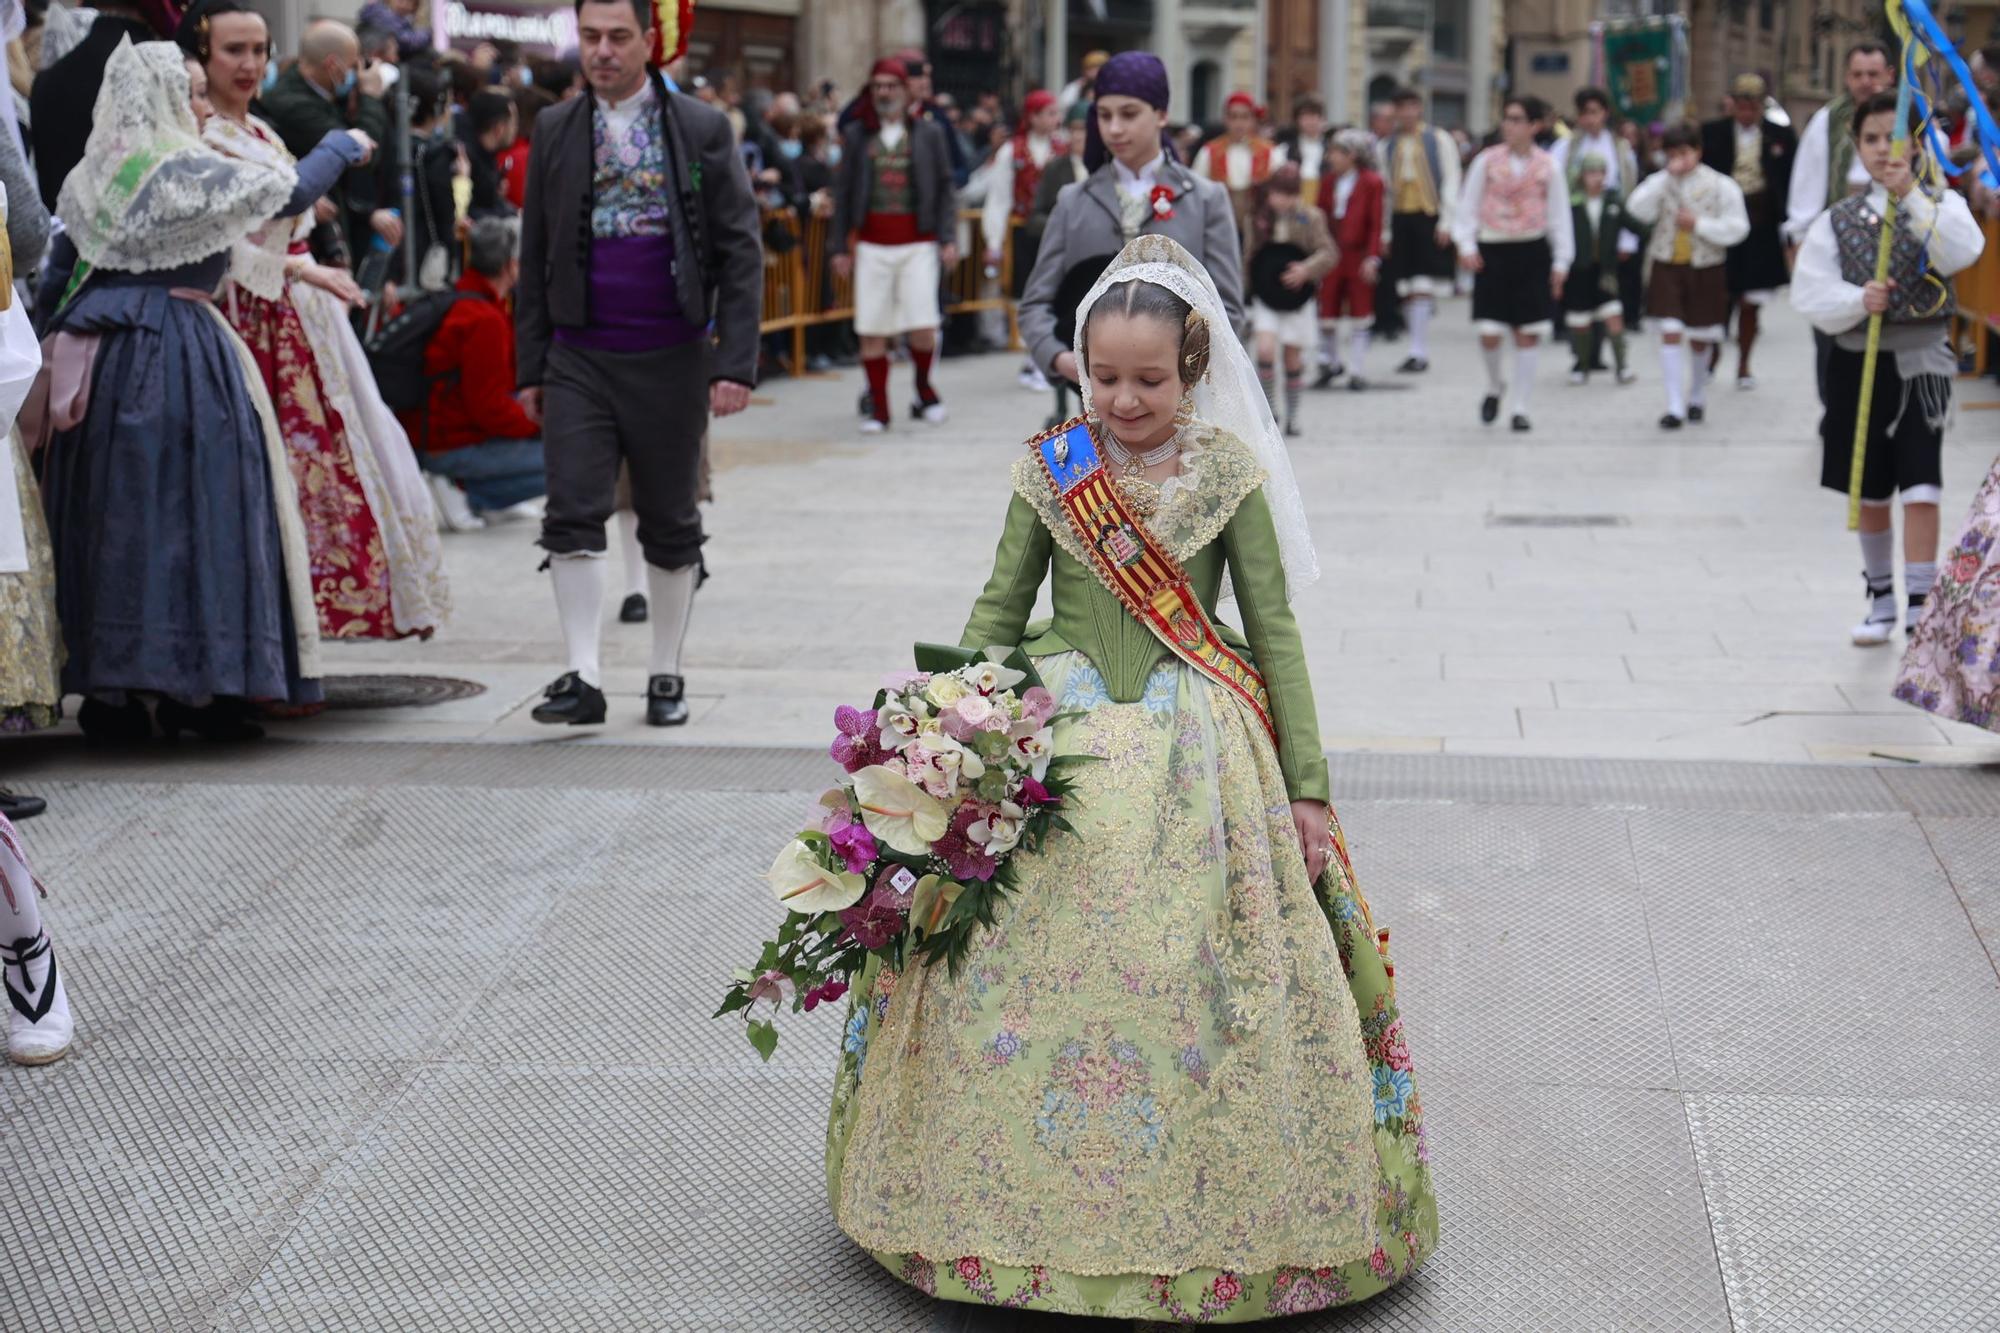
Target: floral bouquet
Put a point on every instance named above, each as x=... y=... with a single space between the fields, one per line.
x=947 y=776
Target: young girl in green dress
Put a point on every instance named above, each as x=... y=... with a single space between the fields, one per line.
x=1171 y=1083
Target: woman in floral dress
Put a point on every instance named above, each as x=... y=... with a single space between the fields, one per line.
x=1171 y=1082
x=1952 y=666
x=351 y=575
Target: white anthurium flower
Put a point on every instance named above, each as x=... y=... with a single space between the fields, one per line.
x=804 y=885
x=931 y=899
x=987 y=677
x=898 y=811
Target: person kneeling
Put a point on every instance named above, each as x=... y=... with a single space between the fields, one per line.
x=476 y=434
x=1834 y=286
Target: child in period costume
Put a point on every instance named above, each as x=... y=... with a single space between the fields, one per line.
x=1700 y=214
x=895 y=222
x=1420 y=166
x=1241 y=160
x=1076 y=1122
x=1591 y=307
x=1833 y=285
x=1286 y=251
x=1513 y=232
x=1351 y=197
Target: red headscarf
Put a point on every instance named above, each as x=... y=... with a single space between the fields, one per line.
x=1244 y=100
x=1039 y=100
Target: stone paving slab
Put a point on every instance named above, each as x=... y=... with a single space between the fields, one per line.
x=392 y=1037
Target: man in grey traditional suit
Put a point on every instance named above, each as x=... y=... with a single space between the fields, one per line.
x=638 y=233
x=1135 y=188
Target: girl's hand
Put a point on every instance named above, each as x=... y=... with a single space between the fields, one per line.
x=1897 y=178
x=1875 y=297
x=1315 y=835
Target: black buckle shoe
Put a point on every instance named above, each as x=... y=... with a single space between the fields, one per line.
x=571 y=701
x=18 y=806
x=1489 y=408
x=666 y=701
x=1697 y=414
x=633 y=612
x=1520 y=422
x=1415 y=365
x=1670 y=422
x=1327 y=375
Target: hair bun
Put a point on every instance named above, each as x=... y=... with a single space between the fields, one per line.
x=1194 y=349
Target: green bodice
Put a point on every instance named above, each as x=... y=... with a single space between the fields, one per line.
x=1213 y=519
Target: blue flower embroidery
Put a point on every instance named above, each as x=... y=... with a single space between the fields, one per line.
x=1163 y=690
x=1085 y=688
x=1392 y=1093
x=856 y=1042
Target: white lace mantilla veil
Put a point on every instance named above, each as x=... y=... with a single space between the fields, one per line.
x=149 y=194
x=1230 y=398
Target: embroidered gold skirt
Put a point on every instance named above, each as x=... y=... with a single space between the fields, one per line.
x=1171 y=1083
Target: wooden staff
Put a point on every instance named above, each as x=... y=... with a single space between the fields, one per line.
x=1897 y=148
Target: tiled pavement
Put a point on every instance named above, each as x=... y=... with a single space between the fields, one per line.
x=415 y=1037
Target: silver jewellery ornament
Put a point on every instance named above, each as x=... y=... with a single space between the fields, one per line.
x=1230 y=398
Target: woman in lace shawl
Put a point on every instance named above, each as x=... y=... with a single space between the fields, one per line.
x=378 y=567
x=1171 y=1082
x=180 y=554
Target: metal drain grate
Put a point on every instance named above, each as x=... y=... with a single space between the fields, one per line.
x=1557 y=521
x=397 y=691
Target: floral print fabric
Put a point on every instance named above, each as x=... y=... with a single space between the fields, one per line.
x=350 y=573
x=1952 y=666
x=1171 y=1083
x=31 y=651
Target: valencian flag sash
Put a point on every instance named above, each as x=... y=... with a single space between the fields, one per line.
x=1139 y=572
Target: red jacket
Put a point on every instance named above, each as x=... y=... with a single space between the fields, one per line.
x=513 y=162
x=474 y=347
x=1359 y=232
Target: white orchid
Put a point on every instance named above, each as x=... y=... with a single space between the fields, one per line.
x=804 y=885
x=898 y=722
x=898 y=811
x=1000 y=832
x=952 y=757
x=1036 y=750
x=986 y=677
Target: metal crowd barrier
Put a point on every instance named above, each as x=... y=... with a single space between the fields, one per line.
x=801 y=291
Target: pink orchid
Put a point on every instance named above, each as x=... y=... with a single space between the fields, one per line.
x=856 y=747
x=1034 y=793
x=773 y=986
x=1038 y=704
x=827 y=991
x=856 y=845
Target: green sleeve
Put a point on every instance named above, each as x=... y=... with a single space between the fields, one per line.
x=1259 y=578
x=1001 y=613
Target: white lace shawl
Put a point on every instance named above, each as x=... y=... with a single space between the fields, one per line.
x=149 y=194
x=257 y=261
x=1230 y=398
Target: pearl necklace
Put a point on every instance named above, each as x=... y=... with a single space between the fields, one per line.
x=1142 y=495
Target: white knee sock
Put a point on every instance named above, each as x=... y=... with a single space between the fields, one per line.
x=630 y=551
x=673 y=603
x=1698 y=375
x=34 y=1008
x=1418 y=313
x=579 y=580
x=1673 y=373
x=1496 y=379
x=1358 y=339
x=1524 y=377
x=1329 y=344
x=1878 y=566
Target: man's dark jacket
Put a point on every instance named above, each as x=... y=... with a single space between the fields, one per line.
x=720 y=276
x=936 y=200
x=63 y=101
x=302 y=116
x=1779 y=145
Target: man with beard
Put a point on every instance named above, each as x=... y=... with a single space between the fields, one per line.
x=639 y=230
x=894 y=224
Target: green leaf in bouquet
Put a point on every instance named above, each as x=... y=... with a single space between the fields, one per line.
x=942 y=657
x=763 y=1035
x=736 y=999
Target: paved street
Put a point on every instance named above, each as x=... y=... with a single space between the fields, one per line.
x=400 y=1020
x=1707 y=620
